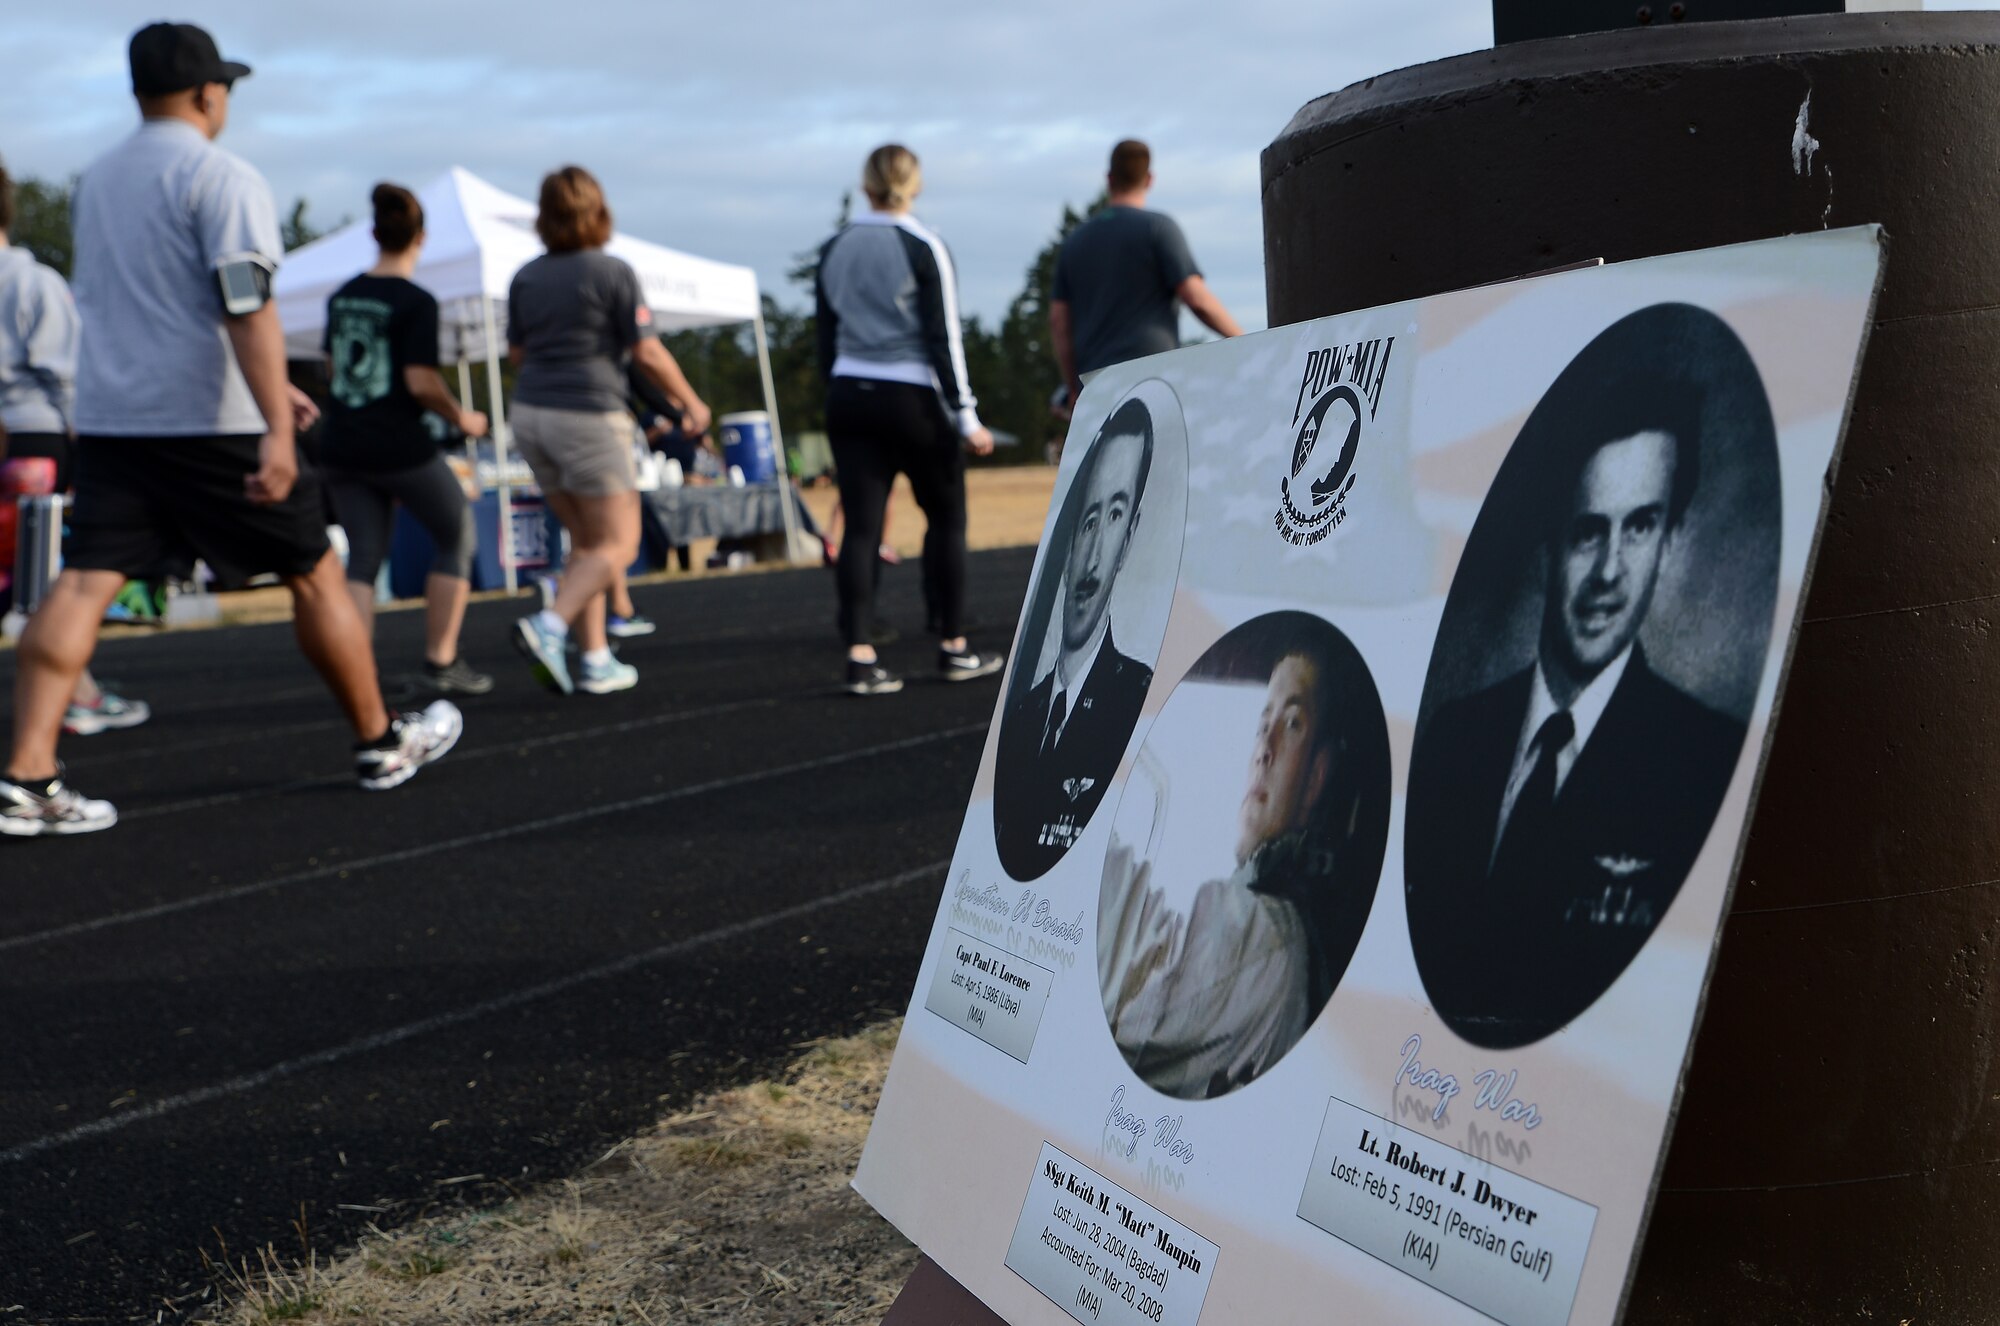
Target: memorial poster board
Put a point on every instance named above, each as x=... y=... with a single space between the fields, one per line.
x=1331 y=919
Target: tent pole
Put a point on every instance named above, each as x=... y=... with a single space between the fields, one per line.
x=785 y=497
x=498 y=415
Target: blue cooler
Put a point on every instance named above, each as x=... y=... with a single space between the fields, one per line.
x=746 y=442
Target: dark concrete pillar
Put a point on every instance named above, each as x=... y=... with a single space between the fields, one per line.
x=1837 y=1155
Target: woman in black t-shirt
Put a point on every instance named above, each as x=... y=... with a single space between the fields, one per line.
x=382 y=343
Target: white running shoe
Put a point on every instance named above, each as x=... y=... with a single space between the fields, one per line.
x=420 y=739
x=110 y=713
x=26 y=814
x=606 y=678
x=629 y=628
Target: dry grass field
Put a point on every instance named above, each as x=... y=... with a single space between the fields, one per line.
x=1004 y=508
x=732 y=1212
x=735 y=1211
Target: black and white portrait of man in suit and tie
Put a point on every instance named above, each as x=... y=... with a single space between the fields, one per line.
x=1599 y=655
x=1095 y=616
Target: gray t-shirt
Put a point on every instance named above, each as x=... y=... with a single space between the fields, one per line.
x=154 y=217
x=38 y=336
x=1118 y=271
x=576 y=316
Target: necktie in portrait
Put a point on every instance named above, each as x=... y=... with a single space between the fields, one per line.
x=1058 y=712
x=1525 y=838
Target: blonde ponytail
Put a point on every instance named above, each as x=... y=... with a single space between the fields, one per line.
x=892 y=177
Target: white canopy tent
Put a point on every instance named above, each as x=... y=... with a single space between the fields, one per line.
x=476 y=238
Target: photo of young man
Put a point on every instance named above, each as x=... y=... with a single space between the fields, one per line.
x=1555 y=812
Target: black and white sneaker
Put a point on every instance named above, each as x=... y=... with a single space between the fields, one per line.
x=57 y=809
x=413 y=741
x=871 y=679
x=965 y=665
x=456 y=677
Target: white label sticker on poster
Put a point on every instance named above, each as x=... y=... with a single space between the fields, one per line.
x=1105 y=1256
x=1492 y=1240
x=1364 y=791
x=996 y=995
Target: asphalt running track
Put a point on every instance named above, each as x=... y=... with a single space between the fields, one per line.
x=267 y=997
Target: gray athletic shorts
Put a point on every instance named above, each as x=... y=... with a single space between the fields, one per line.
x=586 y=452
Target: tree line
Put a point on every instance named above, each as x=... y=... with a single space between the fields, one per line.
x=1012 y=367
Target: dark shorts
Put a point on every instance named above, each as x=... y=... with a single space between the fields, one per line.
x=144 y=504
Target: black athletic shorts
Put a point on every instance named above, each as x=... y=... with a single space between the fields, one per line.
x=145 y=503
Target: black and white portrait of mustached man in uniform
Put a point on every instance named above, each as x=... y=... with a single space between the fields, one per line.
x=1554 y=812
x=1082 y=670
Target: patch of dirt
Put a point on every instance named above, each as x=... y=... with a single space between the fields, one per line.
x=735 y=1211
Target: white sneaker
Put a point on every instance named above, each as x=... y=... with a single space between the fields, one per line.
x=26 y=814
x=420 y=739
x=111 y=713
x=603 y=679
x=629 y=628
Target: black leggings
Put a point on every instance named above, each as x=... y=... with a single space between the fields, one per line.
x=364 y=503
x=879 y=429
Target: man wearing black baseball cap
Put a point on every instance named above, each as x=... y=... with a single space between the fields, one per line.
x=173 y=57
x=185 y=428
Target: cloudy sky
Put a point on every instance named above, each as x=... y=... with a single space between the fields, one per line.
x=731 y=129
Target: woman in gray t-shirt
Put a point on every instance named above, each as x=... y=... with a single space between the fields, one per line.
x=575 y=320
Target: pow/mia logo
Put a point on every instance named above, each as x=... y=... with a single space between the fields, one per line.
x=1344 y=384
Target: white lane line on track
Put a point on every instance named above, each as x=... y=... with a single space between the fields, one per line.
x=477 y=839
x=457 y=757
x=236 y=1086
x=107 y=755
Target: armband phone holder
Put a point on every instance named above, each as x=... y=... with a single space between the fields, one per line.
x=245 y=284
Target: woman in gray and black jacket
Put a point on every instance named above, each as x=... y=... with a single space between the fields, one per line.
x=898 y=401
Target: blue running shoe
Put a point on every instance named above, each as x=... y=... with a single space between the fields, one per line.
x=544 y=648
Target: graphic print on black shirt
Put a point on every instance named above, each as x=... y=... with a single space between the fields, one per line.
x=377 y=326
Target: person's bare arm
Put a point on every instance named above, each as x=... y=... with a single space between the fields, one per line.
x=1063 y=341
x=427 y=385
x=516 y=356
x=305 y=411
x=259 y=343
x=658 y=363
x=1201 y=302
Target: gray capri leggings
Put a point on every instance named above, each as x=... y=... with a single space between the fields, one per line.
x=364 y=504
